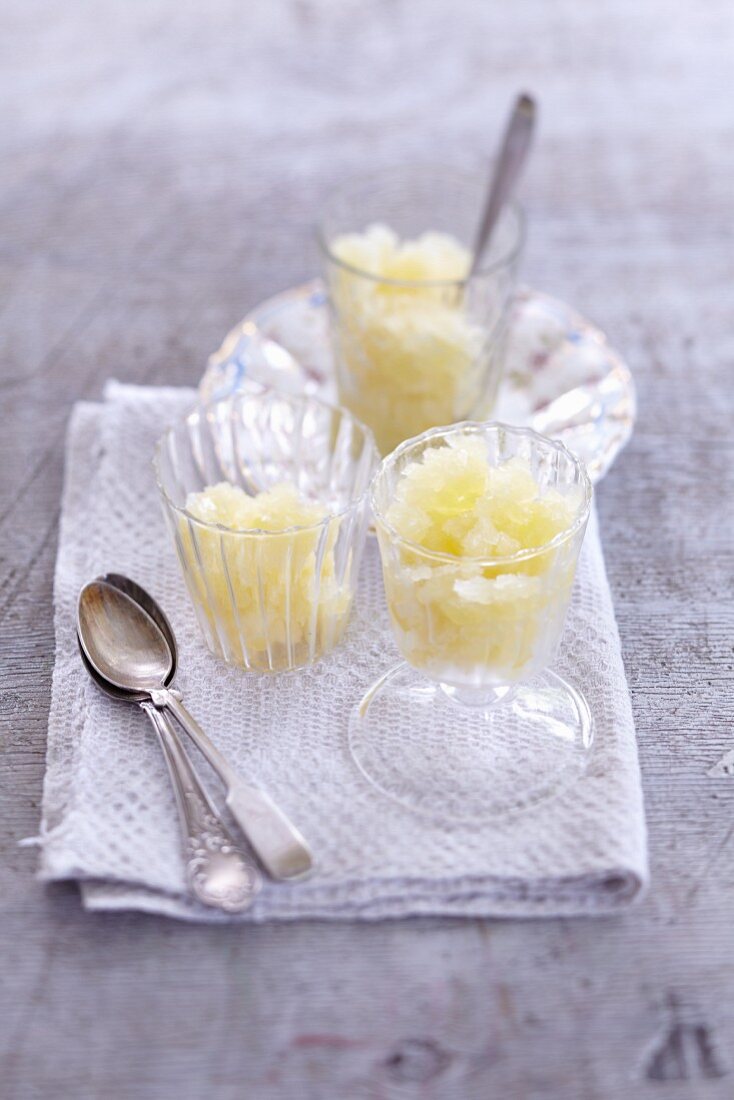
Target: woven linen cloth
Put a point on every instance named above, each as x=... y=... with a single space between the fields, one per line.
x=109 y=819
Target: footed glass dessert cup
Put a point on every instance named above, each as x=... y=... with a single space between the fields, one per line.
x=266 y=499
x=480 y=528
x=417 y=341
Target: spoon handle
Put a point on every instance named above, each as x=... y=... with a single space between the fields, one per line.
x=217 y=872
x=274 y=839
x=511 y=158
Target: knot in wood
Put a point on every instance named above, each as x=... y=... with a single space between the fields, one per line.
x=417 y=1060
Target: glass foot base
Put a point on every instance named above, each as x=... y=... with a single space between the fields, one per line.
x=458 y=759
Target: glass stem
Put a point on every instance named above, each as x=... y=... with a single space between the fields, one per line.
x=479 y=697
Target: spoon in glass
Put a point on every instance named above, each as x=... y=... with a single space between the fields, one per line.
x=508 y=166
x=122 y=639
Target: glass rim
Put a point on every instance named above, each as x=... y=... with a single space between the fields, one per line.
x=473 y=427
x=502 y=261
x=259 y=532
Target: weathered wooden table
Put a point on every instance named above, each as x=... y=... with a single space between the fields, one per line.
x=160 y=170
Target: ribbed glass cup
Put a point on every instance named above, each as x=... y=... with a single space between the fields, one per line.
x=413 y=353
x=270 y=601
x=479 y=625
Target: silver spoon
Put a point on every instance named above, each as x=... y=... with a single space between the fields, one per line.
x=217 y=873
x=123 y=641
x=510 y=160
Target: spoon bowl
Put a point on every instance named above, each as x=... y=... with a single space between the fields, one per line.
x=137 y=593
x=104 y=685
x=121 y=641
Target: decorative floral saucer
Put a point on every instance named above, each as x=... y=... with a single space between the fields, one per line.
x=561 y=376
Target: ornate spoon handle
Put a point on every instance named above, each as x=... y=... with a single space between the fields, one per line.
x=273 y=838
x=216 y=870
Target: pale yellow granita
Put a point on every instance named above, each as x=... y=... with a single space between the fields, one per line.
x=474 y=596
x=409 y=357
x=265 y=580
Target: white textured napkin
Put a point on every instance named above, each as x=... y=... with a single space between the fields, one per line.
x=109 y=818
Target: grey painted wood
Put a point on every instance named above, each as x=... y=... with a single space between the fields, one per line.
x=160 y=169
